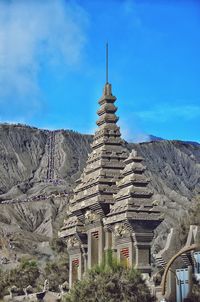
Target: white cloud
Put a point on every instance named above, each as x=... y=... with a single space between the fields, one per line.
x=131 y=133
x=168 y=112
x=33 y=33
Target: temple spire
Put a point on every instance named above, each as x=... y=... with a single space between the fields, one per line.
x=107 y=91
x=107 y=63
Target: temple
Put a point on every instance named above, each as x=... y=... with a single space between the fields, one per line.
x=112 y=207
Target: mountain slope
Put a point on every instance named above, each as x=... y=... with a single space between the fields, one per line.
x=38 y=169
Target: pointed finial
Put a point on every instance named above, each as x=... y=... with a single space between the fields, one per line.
x=107 y=63
x=107 y=88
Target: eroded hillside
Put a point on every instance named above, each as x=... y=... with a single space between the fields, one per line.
x=38 y=169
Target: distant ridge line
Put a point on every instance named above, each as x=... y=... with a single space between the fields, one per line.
x=152 y=138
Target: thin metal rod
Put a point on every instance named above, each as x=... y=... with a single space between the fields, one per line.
x=107 y=63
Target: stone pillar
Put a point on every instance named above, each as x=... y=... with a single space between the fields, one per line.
x=95 y=246
x=125 y=254
x=108 y=239
x=190 y=280
x=114 y=249
x=89 y=262
x=101 y=244
x=143 y=257
x=85 y=265
x=143 y=252
x=108 y=244
x=75 y=268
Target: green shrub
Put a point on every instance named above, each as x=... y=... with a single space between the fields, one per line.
x=57 y=272
x=110 y=283
x=25 y=274
x=58 y=245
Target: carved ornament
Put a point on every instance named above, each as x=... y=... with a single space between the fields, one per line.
x=72 y=242
x=91 y=216
x=120 y=230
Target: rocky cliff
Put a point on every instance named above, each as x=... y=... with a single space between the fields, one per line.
x=38 y=169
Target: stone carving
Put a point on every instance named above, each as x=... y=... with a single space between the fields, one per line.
x=120 y=230
x=91 y=216
x=72 y=242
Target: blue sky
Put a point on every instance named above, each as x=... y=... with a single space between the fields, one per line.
x=52 y=64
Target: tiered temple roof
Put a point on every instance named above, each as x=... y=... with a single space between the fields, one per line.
x=97 y=185
x=134 y=202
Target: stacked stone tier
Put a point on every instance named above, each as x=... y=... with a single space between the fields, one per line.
x=134 y=167
x=107 y=108
x=107 y=118
x=135 y=180
x=99 y=189
x=107 y=140
x=106 y=155
x=71 y=226
x=107 y=130
x=134 y=216
x=135 y=192
x=107 y=95
x=133 y=200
